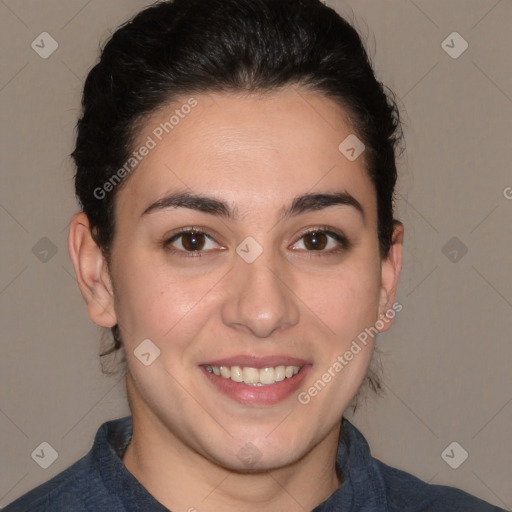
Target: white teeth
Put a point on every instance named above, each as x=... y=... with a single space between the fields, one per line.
x=250 y=375
x=279 y=373
x=236 y=374
x=254 y=376
x=266 y=375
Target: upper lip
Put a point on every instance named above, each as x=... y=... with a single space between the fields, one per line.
x=257 y=361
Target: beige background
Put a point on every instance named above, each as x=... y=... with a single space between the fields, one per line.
x=447 y=357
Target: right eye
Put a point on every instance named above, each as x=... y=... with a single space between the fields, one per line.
x=191 y=241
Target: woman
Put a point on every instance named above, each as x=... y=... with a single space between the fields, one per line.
x=236 y=168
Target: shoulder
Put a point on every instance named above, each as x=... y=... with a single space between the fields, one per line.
x=372 y=482
x=407 y=493
x=62 y=492
x=83 y=486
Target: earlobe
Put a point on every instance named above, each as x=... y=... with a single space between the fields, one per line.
x=91 y=272
x=390 y=273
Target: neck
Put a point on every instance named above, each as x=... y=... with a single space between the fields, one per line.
x=180 y=478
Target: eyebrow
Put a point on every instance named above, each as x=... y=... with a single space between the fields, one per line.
x=300 y=204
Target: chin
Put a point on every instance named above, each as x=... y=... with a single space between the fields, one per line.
x=250 y=460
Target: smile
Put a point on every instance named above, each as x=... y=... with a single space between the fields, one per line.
x=257 y=381
x=254 y=376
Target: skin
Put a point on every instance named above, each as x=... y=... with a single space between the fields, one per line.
x=257 y=153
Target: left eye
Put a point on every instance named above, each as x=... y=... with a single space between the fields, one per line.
x=320 y=240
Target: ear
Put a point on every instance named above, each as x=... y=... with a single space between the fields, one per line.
x=390 y=271
x=91 y=272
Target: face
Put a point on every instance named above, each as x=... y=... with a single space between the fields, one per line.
x=246 y=245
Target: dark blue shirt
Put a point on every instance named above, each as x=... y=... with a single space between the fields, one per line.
x=100 y=482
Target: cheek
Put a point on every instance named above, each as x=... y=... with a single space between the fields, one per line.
x=156 y=303
x=152 y=302
x=345 y=300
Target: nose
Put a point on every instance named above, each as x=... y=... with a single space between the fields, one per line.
x=260 y=300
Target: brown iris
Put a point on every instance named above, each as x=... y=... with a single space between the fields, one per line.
x=315 y=240
x=193 y=241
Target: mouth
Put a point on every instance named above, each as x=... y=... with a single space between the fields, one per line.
x=255 y=376
x=257 y=381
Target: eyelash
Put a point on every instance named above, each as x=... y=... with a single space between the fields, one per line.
x=344 y=244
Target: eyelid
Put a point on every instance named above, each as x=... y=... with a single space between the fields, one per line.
x=338 y=236
x=168 y=240
x=341 y=239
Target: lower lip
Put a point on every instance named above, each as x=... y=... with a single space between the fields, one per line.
x=258 y=395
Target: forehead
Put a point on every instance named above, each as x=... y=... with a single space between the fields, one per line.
x=254 y=151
